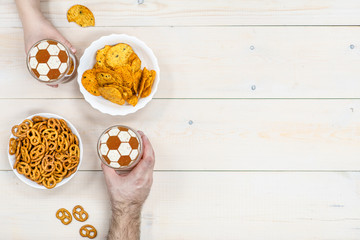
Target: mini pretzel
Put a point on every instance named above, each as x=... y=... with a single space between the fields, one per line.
x=64 y=216
x=74 y=150
x=50 y=134
x=12 y=146
x=23 y=168
x=47 y=164
x=88 y=231
x=49 y=182
x=54 y=124
x=80 y=214
x=34 y=137
x=37 y=151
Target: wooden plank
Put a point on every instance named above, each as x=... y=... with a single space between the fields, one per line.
x=215 y=62
x=197 y=205
x=203 y=13
x=218 y=134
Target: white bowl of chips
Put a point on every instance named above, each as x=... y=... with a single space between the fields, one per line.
x=64 y=180
x=88 y=61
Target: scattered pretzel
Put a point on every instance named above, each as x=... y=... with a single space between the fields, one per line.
x=80 y=214
x=64 y=216
x=88 y=231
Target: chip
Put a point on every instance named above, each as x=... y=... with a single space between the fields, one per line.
x=101 y=57
x=134 y=62
x=144 y=77
x=118 y=55
x=133 y=100
x=90 y=83
x=81 y=15
x=112 y=94
x=104 y=78
x=148 y=84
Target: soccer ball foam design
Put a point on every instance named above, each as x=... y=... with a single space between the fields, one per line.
x=119 y=147
x=48 y=60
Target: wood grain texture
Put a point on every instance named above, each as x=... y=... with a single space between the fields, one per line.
x=200 y=13
x=204 y=206
x=215 y=62
x=224 y=135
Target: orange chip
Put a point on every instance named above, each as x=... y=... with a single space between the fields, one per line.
x=112 y=94
x=90 y=83
x=81 y=15
x=133 y=100
x=148 y=84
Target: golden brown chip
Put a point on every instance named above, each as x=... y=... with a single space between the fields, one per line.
x=112 y=94
x=133 y=100
x=118 y=55
x=144 y=77
x=148 y=84
x=137 y=77
x=104 y=78
x=81 y=15
x=101 y=57
x=89 y=82
x=127 y=92
x=134 y=62
x=127 y=75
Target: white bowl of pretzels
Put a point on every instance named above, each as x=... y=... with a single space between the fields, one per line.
x=45 y=150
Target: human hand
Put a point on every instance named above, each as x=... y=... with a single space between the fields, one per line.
x=129 y=191
x=36 y=27
x=40 y=28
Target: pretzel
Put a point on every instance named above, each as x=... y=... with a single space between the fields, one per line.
x=50 y=134
x=53 y=124
x=25 y=155
x=47 y=163
x=23 y=168
x=34 y=137
x=74 y=150
x=49 y=182
x=37 y=151
x=88 y=231
x=41 y=149
x=12 y=146
x=64 y=216
x=80 y=214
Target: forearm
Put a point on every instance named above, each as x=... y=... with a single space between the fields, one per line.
x=125 y=222
x=29 y=10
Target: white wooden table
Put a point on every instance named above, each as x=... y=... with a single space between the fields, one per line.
x=255 y=123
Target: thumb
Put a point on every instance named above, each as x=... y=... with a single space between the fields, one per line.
x=69 y=45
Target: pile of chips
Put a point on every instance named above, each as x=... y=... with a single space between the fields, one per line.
x=45 y=149
x=117 y=75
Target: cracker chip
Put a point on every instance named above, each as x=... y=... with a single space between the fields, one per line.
x=148 y=84
x=90 y=83
x=134 y=62
x=112 y=94
x=144 y=77
x=133 y=100
x=104 y=78
x=81 y=15
x=118 y=55
x=137 y=77
x=127 y=75
x=101 y=57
